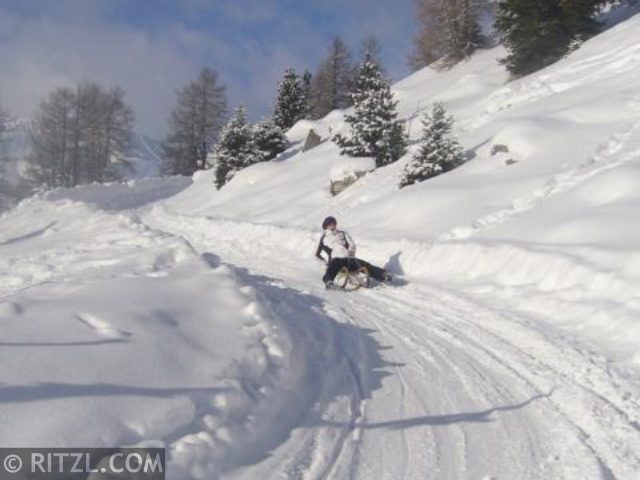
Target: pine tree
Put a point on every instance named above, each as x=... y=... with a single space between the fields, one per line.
x=332 y=83
x=375 y=130
x=439 y=149
x=236 y=149
x=270 y=140
x=539 y=32
x=291 y=101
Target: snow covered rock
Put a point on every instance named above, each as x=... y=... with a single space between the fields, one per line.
x=348 y=171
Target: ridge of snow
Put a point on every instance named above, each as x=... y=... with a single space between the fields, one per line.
x=178 y=349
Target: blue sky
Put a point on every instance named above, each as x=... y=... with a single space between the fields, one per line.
x=153 y=47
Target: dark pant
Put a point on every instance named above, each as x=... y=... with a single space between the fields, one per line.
x=352 y=263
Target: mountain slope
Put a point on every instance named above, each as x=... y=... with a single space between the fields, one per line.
x=513 y=350
x=195 y=319
x=557 y=213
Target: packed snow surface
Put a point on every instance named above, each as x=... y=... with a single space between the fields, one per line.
x=507 y=348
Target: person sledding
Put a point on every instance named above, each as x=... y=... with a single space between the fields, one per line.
x=340 y=250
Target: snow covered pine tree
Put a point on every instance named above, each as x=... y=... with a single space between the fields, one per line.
x=375 y=130
x=236 y=149
x=439 y=149
x=291 y=103
x=270 y=140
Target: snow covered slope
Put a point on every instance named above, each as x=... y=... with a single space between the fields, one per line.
x=513 y=350
x=556 y=232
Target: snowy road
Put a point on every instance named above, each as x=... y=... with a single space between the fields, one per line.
x=512 y=353
x=436 y=384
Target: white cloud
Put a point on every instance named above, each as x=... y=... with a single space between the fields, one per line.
x=39 y=55
x=65 y=41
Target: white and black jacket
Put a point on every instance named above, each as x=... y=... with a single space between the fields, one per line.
x=336 y=244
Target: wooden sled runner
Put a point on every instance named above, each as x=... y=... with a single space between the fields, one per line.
x=351 y=280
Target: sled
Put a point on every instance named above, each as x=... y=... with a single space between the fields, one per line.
x=351 y=280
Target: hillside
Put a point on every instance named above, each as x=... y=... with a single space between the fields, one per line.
x=561 y=219
x=163 y=312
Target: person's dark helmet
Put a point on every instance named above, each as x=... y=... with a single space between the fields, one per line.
x=329 y=221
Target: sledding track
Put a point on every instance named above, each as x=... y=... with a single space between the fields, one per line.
x=439 y=386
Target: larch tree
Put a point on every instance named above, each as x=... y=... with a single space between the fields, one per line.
x=447 y=29
x=195 y=124
x=332 y=83
x=461 y=28
x=80 y=135
x=51 y=139
x=371 y=51
x=306 y=90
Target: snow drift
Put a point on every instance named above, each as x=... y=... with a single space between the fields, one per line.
x=119 y=334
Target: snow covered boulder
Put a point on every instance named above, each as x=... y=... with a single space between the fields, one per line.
x=345 y=173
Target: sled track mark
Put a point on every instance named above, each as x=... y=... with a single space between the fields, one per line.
x=601 y=413
x=350 y=435
x=403 y=395
x=440 y=355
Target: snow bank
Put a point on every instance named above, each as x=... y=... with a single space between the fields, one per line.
x=121 y=195
x=325 y=127
x=349 y=168
x=118 y=334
